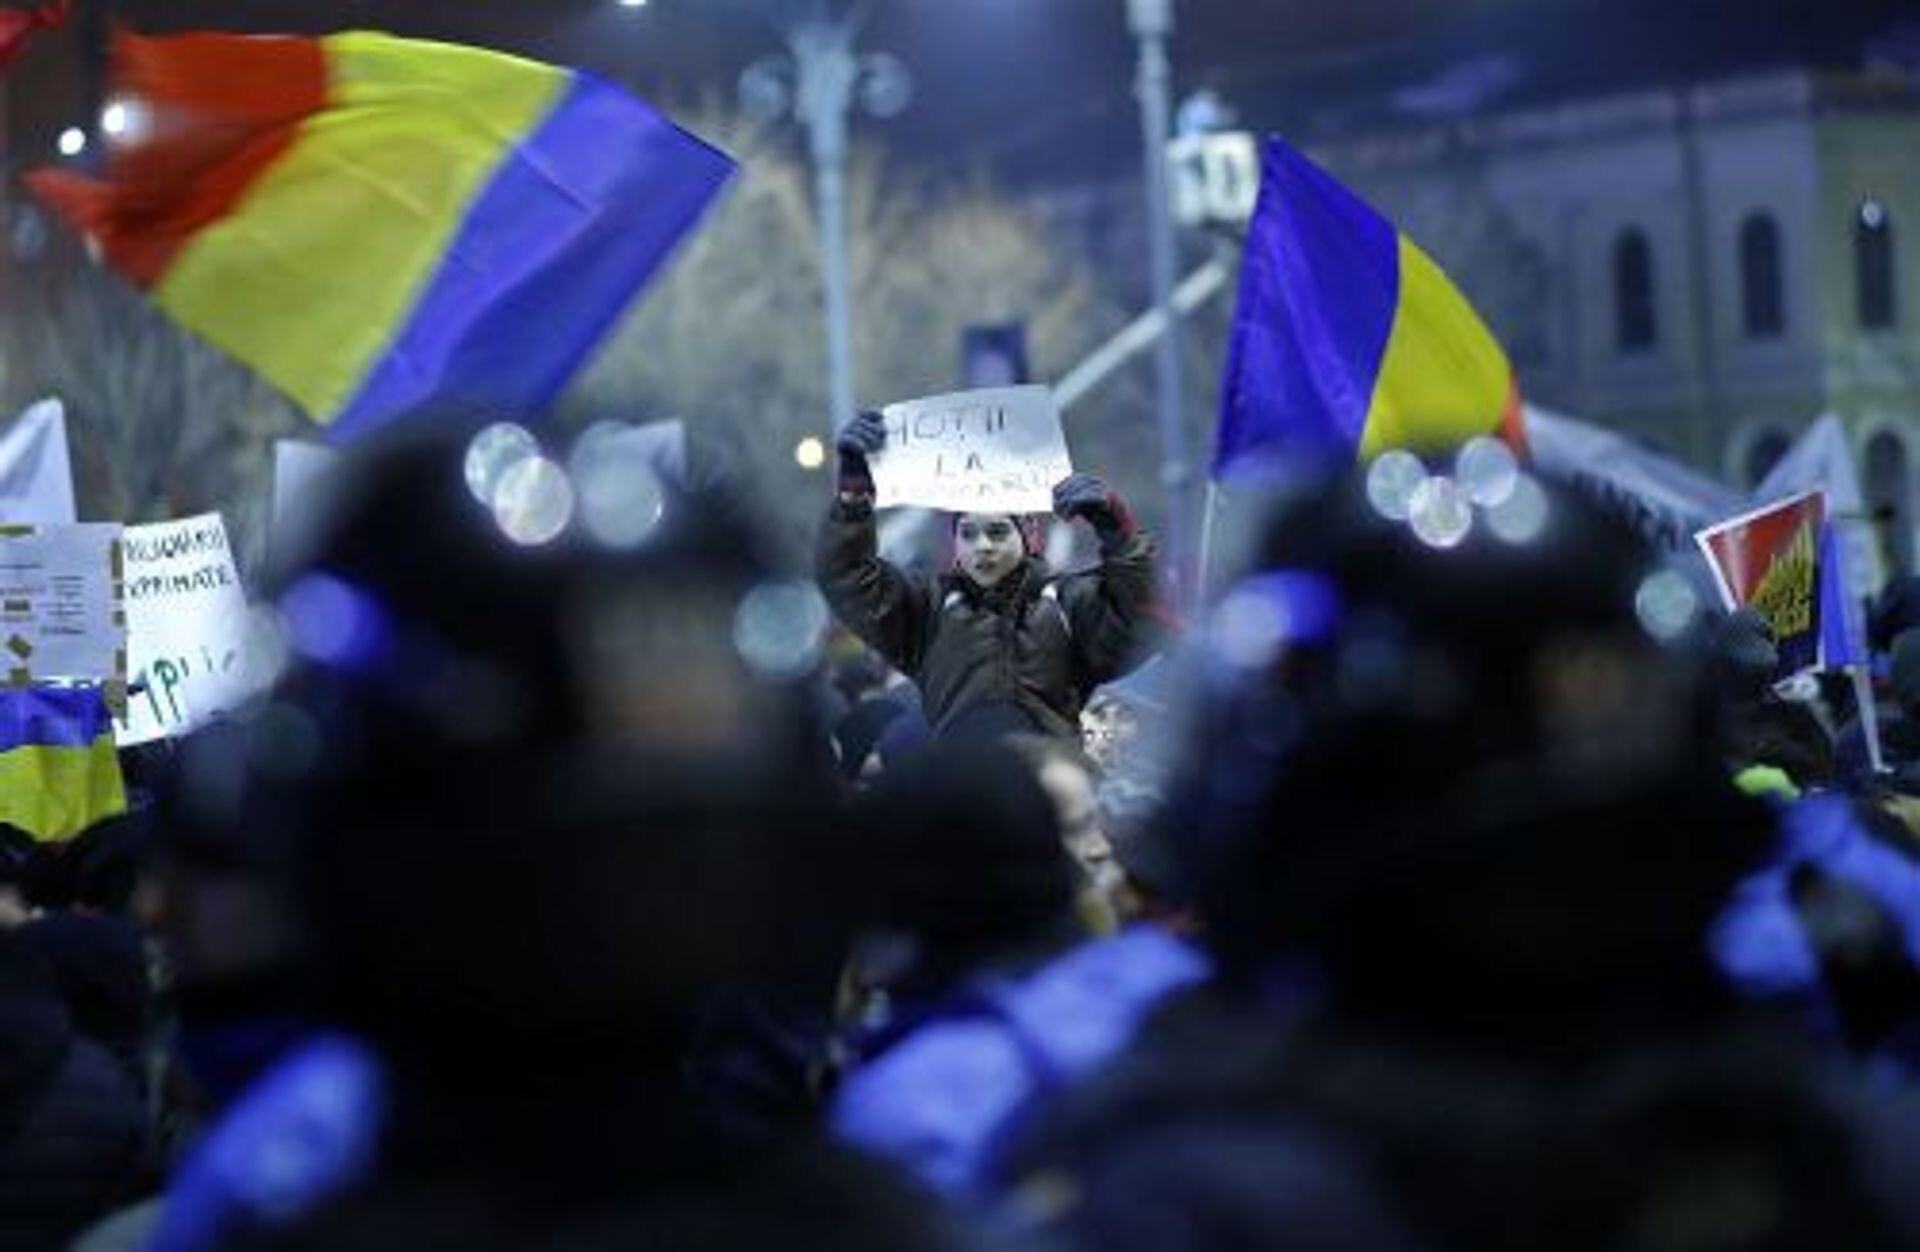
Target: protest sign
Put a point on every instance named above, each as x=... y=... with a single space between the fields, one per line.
x=61 y=615
x=1822 y=460
x=188 y=629
x=1769 y=560
x=995 y=450
x=36 y=472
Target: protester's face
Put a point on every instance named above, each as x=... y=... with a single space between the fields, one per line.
x=1105 y=729
x=989 y=545
x=1072 y=793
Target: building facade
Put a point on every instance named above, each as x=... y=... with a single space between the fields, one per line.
x=1707 y=269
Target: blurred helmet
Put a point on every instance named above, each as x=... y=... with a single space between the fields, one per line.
x=1454 y=750
x=530 y=780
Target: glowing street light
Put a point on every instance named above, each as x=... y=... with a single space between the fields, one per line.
x=72 y=141
x=820 y=80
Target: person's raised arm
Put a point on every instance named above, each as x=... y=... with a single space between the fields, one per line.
x=1109 y=607
x=876 y=601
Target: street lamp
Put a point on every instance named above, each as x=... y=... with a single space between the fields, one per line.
x=819 y=81
x=1151 y=22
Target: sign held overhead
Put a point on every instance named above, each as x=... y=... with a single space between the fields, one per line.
x=994 y=450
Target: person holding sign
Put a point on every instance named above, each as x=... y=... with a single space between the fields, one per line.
x=998 y=645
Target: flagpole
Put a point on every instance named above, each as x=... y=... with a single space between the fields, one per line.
x=1203 y=576
x=1151 y=23
x=1869 y=716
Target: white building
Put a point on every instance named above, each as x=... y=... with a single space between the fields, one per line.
x=1707 y=268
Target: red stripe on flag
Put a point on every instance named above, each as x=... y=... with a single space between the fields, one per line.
x=18 y=25
x=1513 y=423
x=212 y=112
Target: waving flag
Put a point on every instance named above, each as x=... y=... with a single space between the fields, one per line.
x=18 y=25
x=59 y=769
x=1348 y=339
x=378 y=225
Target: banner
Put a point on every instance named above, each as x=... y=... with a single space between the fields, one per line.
x=994 y=450
x=1665 y=501
x=36 y=474
x=61 y=607
x=188 y=629
x=1769 y=560
x=661 y=446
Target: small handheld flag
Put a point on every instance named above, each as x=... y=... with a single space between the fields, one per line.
x=1348 y=340
x=377 y=225
x=1769 y=559
x=59 y=769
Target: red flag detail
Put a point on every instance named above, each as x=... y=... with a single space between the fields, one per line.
x=18 y=25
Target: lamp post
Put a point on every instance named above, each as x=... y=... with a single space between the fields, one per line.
x=1151 y=22
x=820 y=80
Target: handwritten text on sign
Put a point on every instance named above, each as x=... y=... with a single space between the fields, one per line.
x=996 y=450
x=189 y=630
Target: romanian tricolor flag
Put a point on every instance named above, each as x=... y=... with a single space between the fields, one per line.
x=59 y=770
x=1348 y=339
x=380 y=225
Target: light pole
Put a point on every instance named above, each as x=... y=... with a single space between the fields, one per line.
x=1151 y=22
x=820 y=80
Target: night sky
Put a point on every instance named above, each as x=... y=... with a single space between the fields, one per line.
x=1031 y=85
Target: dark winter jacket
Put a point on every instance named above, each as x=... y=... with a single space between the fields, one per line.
x=1037 y=642
x=72 y=1143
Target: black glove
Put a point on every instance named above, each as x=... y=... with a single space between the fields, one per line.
x=859 y=438
x=1084 y=496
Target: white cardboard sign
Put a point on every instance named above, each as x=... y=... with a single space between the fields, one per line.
x=188 y=629
x=994 y=450
x=61 y=614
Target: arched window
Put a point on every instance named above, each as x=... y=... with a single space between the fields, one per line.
x=1889 y=488
x=1762 y=310
x=1635 y=329
x=1873 y=265
x=1763 y=454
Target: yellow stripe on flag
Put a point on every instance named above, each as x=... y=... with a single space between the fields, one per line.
x=412 y=135
x=55 y=793
x=1443 y=378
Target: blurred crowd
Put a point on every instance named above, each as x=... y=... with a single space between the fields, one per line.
x=1460 y=888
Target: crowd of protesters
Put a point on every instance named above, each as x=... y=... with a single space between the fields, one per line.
x=1484 y=889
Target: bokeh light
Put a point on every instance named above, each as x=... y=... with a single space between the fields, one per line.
x=533 y=502
x=1522 y=516
x=1487 y=471
x=1391 y=481
x=1666 y=605
x=621 y=495
x=781 y=628
x=492 y=453
x=1440 y=513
